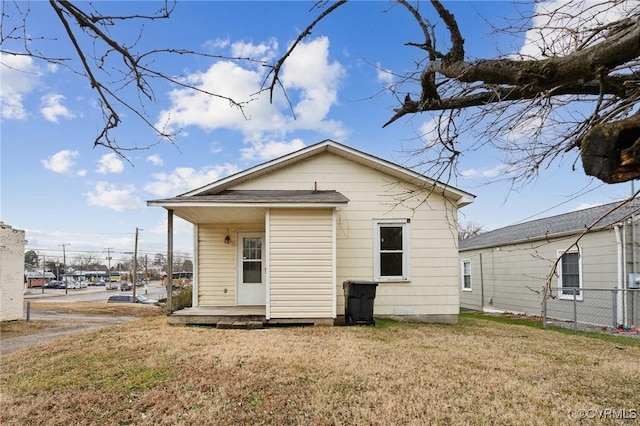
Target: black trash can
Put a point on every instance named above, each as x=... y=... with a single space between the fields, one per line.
x=358 y=302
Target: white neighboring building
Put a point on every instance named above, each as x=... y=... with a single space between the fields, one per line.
x=11 y=273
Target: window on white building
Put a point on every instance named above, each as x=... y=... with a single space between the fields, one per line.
x=570 y=275
x=466 y=274
x=391 y=250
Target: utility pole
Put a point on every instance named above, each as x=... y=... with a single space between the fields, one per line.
x=64 y=264
x=44 y=265
x=108 y=249
x=135 y=266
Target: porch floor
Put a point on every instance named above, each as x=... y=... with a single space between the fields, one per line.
x=221 y=316
x=240 y=317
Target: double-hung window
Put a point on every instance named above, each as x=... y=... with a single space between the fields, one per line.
x=466 y=274
x=391 y=250
x=570 y=275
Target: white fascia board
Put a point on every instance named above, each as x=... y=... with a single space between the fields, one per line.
x=251 y=205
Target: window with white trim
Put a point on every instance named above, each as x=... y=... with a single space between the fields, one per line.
x=391 y=250
x=465 y=274
x=570 y=275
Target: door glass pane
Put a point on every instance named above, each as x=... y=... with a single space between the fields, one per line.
x=252 y=272
x=252 y=260
x=252 y=248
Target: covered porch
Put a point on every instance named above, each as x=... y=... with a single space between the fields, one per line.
x=260 y=257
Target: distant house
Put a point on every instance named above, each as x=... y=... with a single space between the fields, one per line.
x=12 y=243
x=283 y=237
x=504 y=269
x=38 y=278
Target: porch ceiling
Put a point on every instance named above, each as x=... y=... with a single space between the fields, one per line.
x=204 y=214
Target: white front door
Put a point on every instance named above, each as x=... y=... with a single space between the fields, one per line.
x=251 y=287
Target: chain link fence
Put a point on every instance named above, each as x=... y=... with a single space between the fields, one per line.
x=594 y=309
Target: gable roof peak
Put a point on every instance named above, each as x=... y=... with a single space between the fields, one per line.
x=327 y=145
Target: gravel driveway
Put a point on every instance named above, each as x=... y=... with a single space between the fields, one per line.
x=52 y=325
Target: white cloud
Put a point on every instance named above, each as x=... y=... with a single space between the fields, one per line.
x=559 y=26
x=61 y=161
x=266 y=151
x=19 y=76
x=215 y=148
x=184 y=179
x=218 y=43
x=311 y=80
x=155 y=159
x=81 y=173
x=430 y=128
x=585 y=205
x=112 y=197
x=309 y=70
x=384 y=76
x=51 y=108
x=486 y=173
x=110 y=163
x=190 y=108
x=261 y=52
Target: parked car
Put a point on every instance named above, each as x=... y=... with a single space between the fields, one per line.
x=146 y=300
x=71 y=285
x=52 y=284
x=100 y=283
x=112 y=286
x=128 y=298
x=61 y=285
x=125 y=286
x=82 y=284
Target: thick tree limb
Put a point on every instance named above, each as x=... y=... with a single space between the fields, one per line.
x=611 y=151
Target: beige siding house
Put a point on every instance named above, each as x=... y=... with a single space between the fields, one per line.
x=283 y=236
x=505 y=270
x=12 y=243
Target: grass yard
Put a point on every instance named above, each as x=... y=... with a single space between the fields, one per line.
x=477 y=372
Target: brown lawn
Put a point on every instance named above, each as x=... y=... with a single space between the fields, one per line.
x=477 y=372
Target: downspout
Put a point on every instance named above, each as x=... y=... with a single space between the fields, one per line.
x=623 y=294
x=481 y=286
x=620 y=274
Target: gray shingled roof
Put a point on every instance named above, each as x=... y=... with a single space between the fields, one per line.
x=266 y=196
x=566 y=223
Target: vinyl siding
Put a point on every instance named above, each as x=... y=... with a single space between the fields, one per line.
x=433 y=288
x=513 y=274
x=301 y=263
x=217 y=266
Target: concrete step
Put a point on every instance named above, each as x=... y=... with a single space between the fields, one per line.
x=240 y=325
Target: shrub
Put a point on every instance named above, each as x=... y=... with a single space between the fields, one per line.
x=182 y=298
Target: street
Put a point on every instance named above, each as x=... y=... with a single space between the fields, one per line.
x=90 y=294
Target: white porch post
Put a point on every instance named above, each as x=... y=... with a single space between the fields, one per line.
x=267 y=263
x=194 y=278
x=169 y=260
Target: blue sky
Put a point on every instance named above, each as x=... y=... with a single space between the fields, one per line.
x=60 y=189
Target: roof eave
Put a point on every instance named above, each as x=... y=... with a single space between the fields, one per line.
x=539 y=238
x=174 y=204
